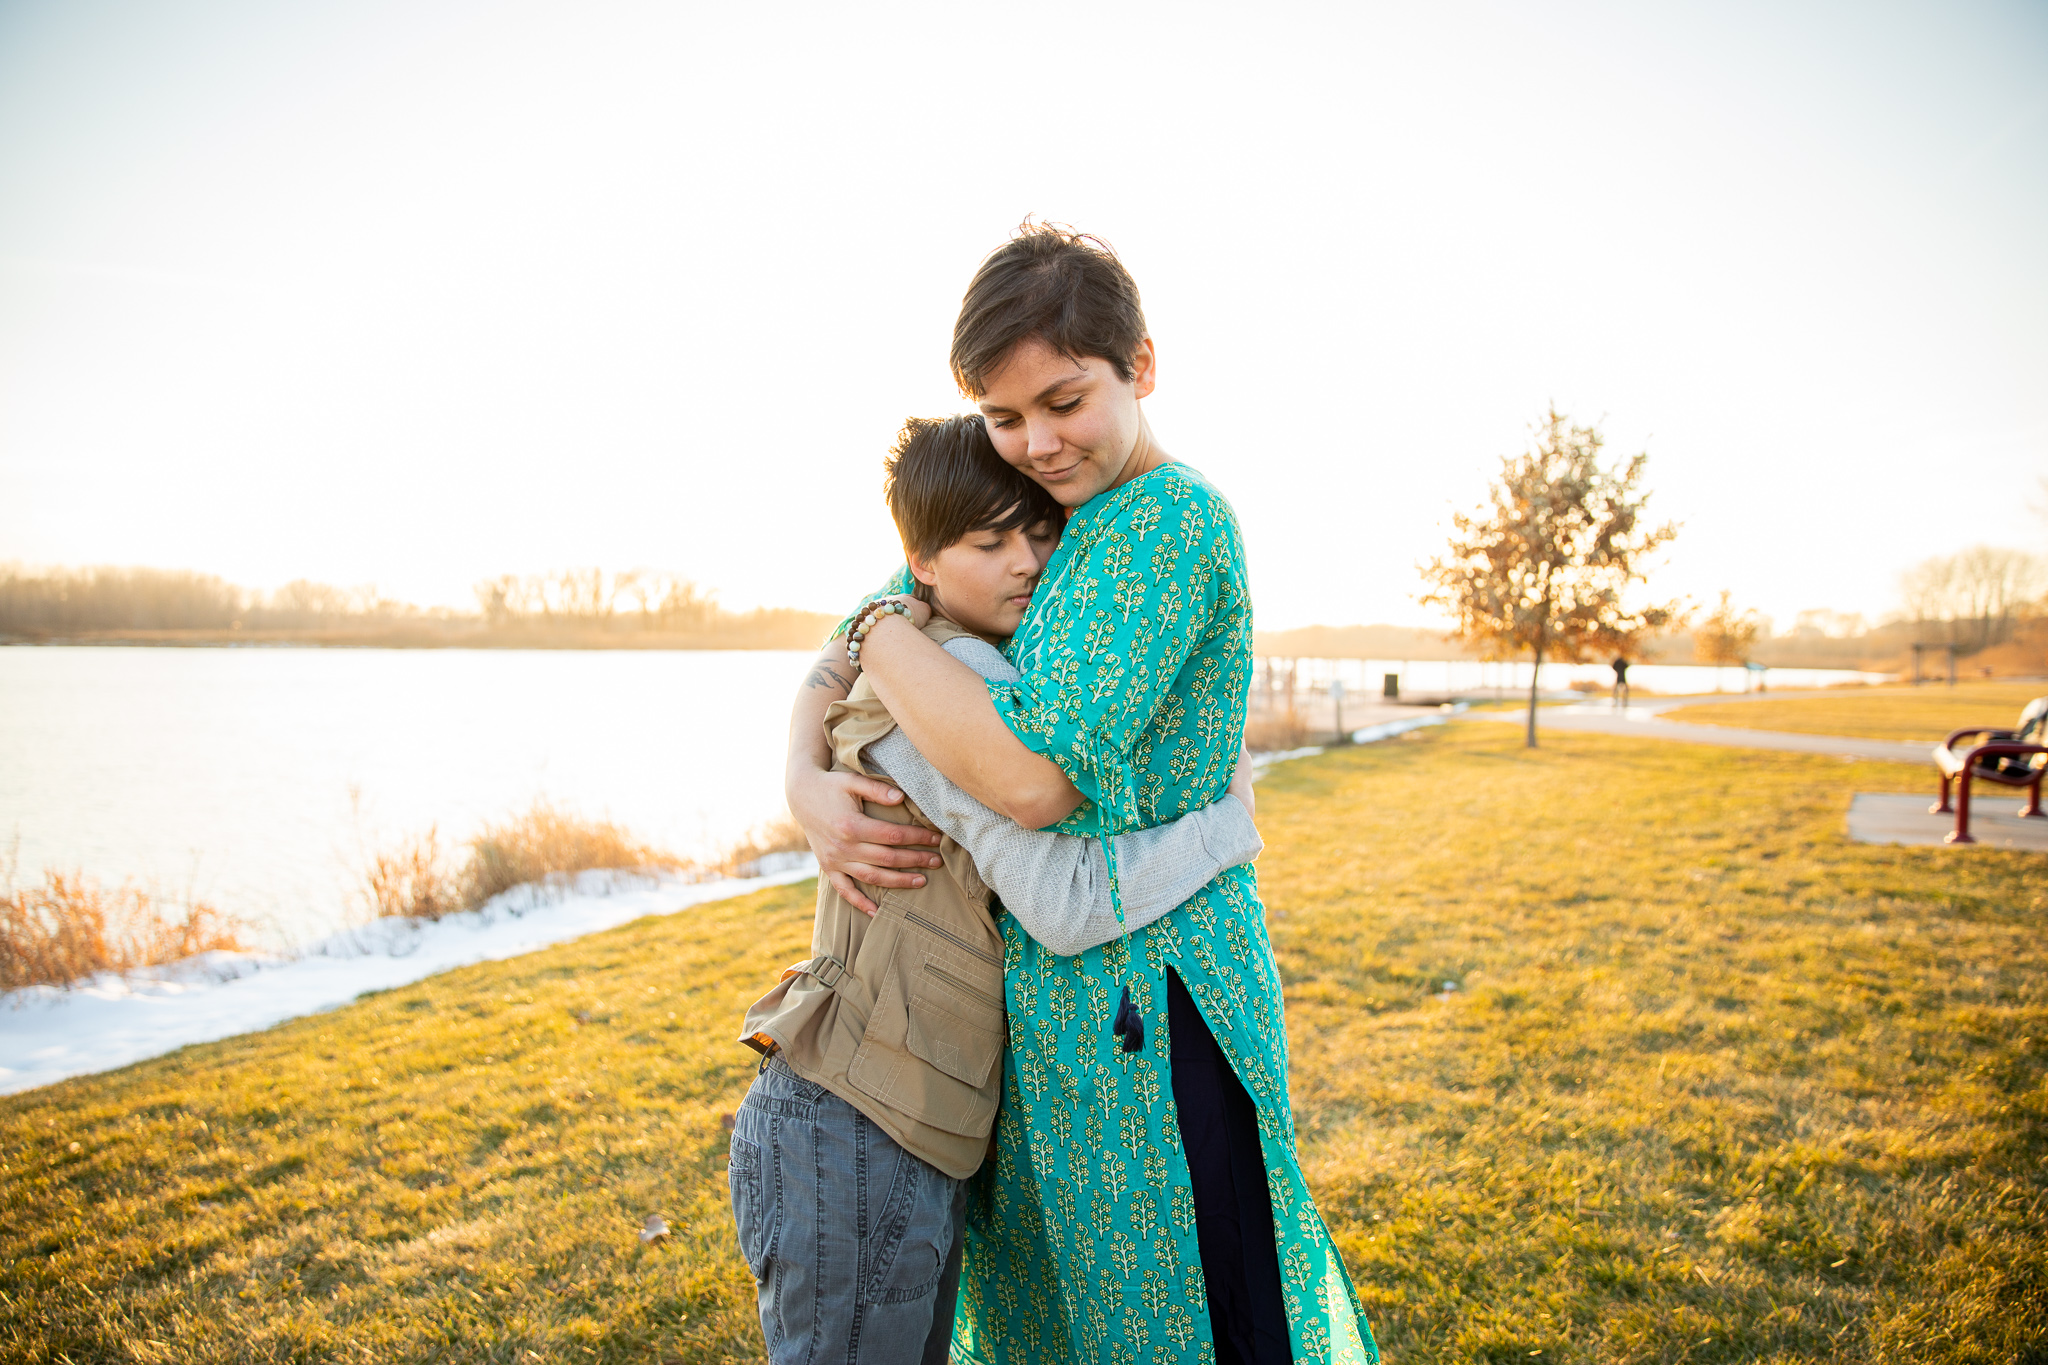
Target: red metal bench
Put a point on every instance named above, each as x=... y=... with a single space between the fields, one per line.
x=2012 y=758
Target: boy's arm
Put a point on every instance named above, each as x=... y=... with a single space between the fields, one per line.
x=851 y=845
x=944 y=706
x=1057 y=885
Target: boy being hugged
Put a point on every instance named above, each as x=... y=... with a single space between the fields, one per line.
x=883 y=1050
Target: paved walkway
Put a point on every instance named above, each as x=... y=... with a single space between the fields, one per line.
x=1995 y=822
x=1642 y=719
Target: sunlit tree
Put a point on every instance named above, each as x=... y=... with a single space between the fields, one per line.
x=1726 y=637
x=1544 y=568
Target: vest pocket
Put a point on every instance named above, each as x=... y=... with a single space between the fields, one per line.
x=954 y=1026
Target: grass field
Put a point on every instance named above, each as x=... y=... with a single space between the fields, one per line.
x=1717 y=1085
x=1928 y=713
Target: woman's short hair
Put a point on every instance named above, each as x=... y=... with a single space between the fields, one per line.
x=943 y=480
x=1048 y=281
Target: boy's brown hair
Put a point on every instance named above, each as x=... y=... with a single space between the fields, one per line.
x=943 y=480
x=1048 y=281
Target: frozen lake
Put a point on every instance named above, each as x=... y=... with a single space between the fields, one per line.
x=261 y=779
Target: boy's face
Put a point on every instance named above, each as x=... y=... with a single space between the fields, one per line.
x=982 y=582
x=1070 y=425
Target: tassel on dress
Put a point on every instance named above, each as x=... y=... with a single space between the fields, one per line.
x=1129 y=1024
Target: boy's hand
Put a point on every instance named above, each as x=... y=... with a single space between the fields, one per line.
x=852 y=846
x=1241 y=784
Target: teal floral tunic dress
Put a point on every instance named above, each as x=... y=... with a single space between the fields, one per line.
x=1137 y=656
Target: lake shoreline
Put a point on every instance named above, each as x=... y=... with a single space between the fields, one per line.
x=434 y=636
x=111 y=1020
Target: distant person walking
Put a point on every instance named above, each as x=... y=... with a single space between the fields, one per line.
x=1620 y=683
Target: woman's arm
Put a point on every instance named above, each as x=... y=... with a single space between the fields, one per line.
x=850 y=845
x=944 y=707
x=1057 y=885
x=1155 y=578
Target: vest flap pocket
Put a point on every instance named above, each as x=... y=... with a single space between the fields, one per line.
x=955 y=1026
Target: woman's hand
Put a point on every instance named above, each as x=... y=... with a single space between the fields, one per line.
x=1241 y=783
x=851 y=845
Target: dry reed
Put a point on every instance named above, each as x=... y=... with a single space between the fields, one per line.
x=416 y=881
x=783 y=835
x=70 y=927
x=544 y=840
x=1277 y=731
x=413 y=881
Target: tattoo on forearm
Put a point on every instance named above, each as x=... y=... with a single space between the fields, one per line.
x=824 y=675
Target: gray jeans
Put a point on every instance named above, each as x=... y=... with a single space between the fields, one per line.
x=854 y=1242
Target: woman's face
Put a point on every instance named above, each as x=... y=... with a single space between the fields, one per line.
x=1070 y=425
x=983 y=581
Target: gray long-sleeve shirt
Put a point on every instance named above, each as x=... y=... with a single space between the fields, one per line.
x=1057 y=885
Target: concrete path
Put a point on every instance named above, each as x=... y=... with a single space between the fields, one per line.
x=1874 y=817
x=1888 y=818
x=1642 y=719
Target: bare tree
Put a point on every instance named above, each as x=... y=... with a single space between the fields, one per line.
x=1927 y=588
x=107 y=598
x=1545 y=566
x=498 y=599
x=685 y=606
x=1984 y=586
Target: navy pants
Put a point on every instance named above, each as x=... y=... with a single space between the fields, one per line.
x=1219 y=1127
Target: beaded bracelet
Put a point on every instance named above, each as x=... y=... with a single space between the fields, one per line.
x=871 y=614
x=866 y=620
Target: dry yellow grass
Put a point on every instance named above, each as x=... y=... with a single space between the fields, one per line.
x=1717 y=1086
x=1929 y=712
x=70 y=927
x=451 y=1171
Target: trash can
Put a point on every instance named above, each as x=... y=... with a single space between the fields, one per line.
x=1390 y=687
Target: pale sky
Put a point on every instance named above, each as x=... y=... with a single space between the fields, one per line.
x=421 y=292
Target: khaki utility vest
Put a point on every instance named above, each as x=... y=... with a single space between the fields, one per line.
x=900 y=1015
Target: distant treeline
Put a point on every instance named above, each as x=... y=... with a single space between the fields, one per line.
x=1885 y=648
x=1986 y=601
x=573 y=608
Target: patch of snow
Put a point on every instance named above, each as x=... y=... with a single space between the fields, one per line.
x=1371 y=734
x=50 y=1033
x=1388 y=729
x=1262 y=761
